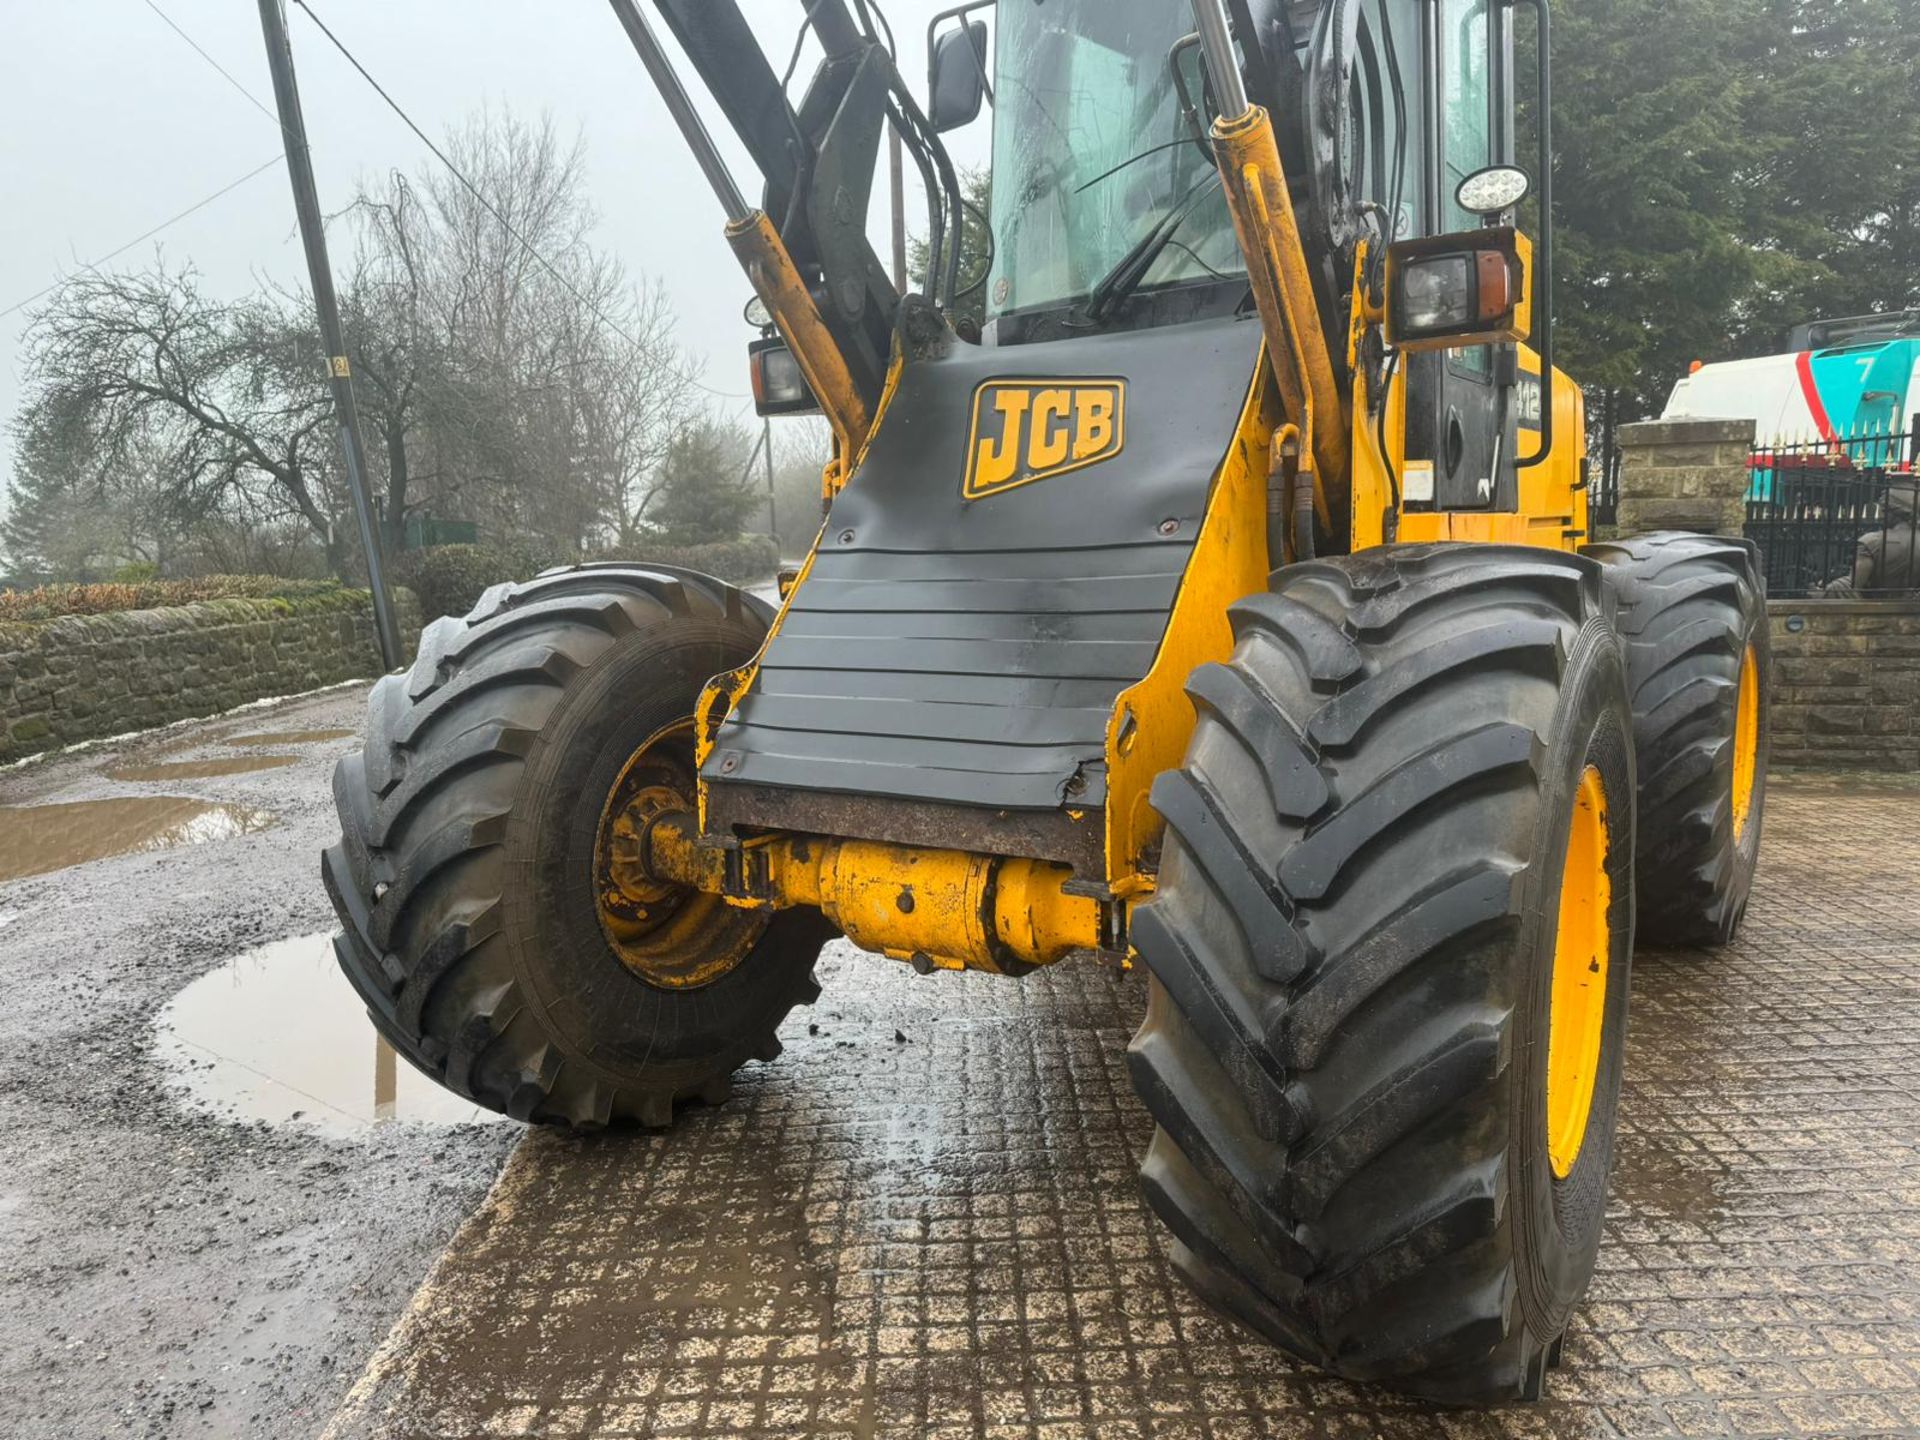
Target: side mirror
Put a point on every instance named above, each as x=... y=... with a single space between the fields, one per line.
x=778 y=386
x=1448 y=292
x=957 y=76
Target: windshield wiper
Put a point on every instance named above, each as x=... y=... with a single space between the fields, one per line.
x=1146 y=154
x=1131 y=268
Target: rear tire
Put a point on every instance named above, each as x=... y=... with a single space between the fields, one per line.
x=465 y=877
x=1693 y=614
x=1353 y=949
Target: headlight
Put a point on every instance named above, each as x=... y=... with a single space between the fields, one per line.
x=1438 y=294
x=778 y=386
x=1452 y=291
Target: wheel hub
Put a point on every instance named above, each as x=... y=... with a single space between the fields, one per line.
x=670 y=935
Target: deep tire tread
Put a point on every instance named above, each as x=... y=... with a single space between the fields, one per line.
x=1364 y=1226
x=1690 y=605
x=418 y=871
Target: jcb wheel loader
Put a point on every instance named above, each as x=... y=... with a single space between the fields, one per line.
x=1220 y=604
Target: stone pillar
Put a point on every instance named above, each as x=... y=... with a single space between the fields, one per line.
x=1685 y=475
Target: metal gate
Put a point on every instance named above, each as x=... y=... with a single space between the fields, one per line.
x=1835 y=516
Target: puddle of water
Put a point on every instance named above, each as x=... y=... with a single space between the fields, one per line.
x=200 y=769
x=277 y=1034
x=37 y=839
x=292 y=737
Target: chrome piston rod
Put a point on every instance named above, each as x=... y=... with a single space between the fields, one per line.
x=692 y=128
x=1222 y=64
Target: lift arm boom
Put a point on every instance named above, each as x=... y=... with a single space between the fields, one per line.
x=817 y=164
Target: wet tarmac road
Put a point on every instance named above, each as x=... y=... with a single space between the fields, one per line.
x=922 y=1220
x=166 y=1269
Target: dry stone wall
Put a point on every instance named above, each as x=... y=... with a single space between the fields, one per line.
x=84 y=677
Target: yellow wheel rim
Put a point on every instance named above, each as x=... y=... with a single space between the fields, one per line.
x=1746 y=745
x=671 y=936
x=1582 y=950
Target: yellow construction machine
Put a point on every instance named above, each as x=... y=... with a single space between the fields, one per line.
x=1205 y=584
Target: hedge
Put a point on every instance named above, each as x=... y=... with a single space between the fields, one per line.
x=52 y=602
x=450 y=578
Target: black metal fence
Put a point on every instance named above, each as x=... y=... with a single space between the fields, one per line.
x=1603 y=461
x=1603 y=489
x=1836 y=516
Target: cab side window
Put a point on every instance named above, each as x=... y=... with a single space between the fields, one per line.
x=1466 y=99
x=1466 y=128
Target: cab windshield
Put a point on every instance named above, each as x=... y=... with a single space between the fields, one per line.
x=1092 y=149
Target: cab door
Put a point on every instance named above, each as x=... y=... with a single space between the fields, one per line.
x=1461 y=413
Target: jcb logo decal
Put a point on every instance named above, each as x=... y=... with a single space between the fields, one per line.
x=1026 y=430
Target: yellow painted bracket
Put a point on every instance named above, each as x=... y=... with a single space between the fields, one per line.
x=1372 y=488
x=1153 y=720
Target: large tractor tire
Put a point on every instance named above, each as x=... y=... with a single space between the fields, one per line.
x=1693 y=613
x=494 y=917
x=1389 y=955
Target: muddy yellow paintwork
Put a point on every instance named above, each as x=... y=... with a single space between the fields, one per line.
x=944 y=908
x=764 y=257
x=1297 y=346
x=723 y=692
x=1746 y=744
x=674 y=940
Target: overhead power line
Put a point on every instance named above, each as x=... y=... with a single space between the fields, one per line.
x=475 y=191
x=147 y=235
x=225 y=74
x=198 y=205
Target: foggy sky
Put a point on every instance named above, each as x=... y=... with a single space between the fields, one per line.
x=112 y=124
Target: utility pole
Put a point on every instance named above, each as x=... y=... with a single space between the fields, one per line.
x=897 y=173
x=764 y=446
x=313 y=236
x=773 y=515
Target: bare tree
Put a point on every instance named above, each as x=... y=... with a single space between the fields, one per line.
x=524 y=378
x=223 y=405
x=393 y=346
x=508 y=374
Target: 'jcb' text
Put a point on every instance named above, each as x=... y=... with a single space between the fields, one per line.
x=1027 y=430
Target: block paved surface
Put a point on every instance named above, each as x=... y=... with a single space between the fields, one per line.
x=923 y=1221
